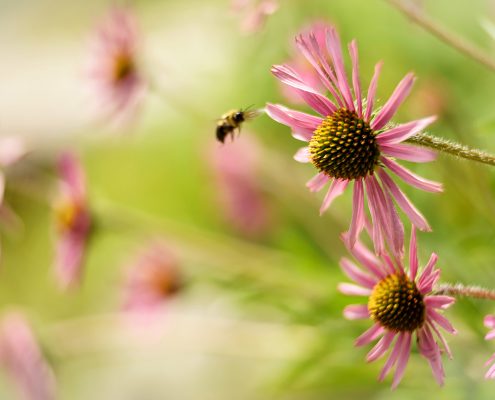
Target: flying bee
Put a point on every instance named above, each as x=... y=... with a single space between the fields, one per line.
x=232 y=121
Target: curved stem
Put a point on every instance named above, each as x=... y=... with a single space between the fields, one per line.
x=452 y=148
x=459 y=289
x=457 y=42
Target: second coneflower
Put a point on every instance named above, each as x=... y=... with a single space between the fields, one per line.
x=351 y=142
x=73 y=221
x=400 y=303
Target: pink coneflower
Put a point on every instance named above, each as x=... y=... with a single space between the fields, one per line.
x=152 y=279
x=490 y=324
x=73 y=221
x=352 y=142
x=239 y=194
x=22 y=359
x=400 y=303
x=254 y=12
x=302 y=67
x=113 y=68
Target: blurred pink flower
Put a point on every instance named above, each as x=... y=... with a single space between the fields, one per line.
x=113 y=68
x=21 y=357
x=254 y=12
x=241 y=200
x=73 y=221
x=152 y=279
x=352 y=142
x=400 y=303
x=301 y=66
x=490 y=324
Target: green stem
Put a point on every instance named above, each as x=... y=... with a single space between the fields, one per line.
x=459 y=290
x=452 y=148
x=450 y=38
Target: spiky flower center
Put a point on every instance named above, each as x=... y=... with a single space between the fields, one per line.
x=396 y=304
x=344 y=146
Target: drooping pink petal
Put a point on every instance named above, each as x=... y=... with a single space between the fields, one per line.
x=381 y=347
x=69 y=257
x=431 y=351
x=404 y=131
x=489 y=321
x=303 y=155
x=439 y=301
x=353 y=51
x=356 y=312
x=393 y=103
x=396 y=233
x=411 y=178
x=302 y=123
x=409 y=152
x=404 y=203
x=334 y=47
x=12 y=149
x=413 y=255
x=357 y=274
x=315 y=100
x=316 y=183
x=357 y=221
x=404 y=353
x=353 y=290
x=370 y=99
x=376 y=215
x=442 y=338
x=441 y=320
x=371 y=334
x=336 y=189
x=72 y=175
x=394 y=356
x=368 y=260
x=490 y=335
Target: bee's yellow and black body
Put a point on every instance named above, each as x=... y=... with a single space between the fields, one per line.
x=231 y=121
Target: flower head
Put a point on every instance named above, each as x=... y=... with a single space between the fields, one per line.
x=113 y=68
x=23 y=360
x=152 y=279
x=73 y=221
x=351 y=142
x=490 y=324
x=242 y=203
x=400 y=303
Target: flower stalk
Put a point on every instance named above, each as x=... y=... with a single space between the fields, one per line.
x=452 y=148
x=458 y=290
x=455 y=41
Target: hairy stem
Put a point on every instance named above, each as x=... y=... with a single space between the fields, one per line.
x=459 y=289
x=450 y=38
x=452 y=148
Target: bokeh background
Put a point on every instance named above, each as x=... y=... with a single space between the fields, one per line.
x=259 y=316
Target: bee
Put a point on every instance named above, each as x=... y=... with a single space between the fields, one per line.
x=232 y=121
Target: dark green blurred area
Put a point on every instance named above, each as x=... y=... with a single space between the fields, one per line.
x=156 y=179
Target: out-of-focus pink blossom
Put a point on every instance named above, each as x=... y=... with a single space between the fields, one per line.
x=152 y=279
x=254 y=13
x=235 y=166
x=23 y=361
x=73 y=221
x=114 y=72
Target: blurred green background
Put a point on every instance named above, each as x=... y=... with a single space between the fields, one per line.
x=260 y=317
